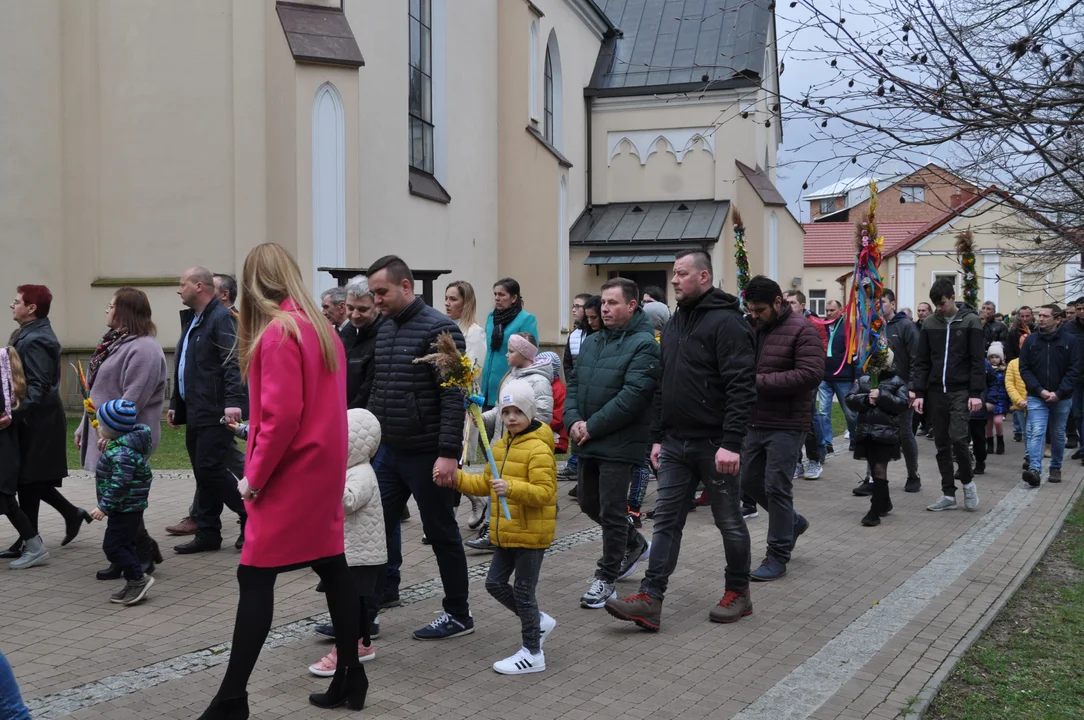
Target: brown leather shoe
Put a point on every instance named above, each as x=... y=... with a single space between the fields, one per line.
x=640 y=608
x=732 y=607
x=187 y=526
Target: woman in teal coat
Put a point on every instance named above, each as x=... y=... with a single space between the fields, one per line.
x=507 y=318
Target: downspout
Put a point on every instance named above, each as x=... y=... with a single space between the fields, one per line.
x=589 y=99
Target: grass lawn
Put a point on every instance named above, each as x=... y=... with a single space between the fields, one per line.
x=172 y=455
x=1029 y=664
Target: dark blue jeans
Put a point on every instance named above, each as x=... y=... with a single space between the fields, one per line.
x=768 y=457
x=684 y=464
x=400 y=474
x=119 y=543
x=11 y=702
x=519 y=598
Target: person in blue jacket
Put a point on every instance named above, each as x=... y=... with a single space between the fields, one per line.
x=507 y=318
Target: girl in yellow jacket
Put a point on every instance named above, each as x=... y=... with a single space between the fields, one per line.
x=528 y=482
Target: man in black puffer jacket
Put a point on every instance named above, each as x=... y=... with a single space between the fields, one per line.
x=702 y=410
x=422 y=437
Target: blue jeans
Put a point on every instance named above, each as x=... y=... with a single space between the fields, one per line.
x=11 y=702
x=828 y=388
x=573 y=463
x=400 y=474
x=1043 y=415
x=1019 y=421
x=684 y=464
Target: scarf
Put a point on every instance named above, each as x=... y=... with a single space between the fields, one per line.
x=105 y=346
x=5 y=379
x=501 y=318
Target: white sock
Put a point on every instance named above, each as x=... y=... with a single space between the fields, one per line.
x=970 y=484
x=950 y=498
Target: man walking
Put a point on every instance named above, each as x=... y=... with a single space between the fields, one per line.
x=609 y=394
x=208 y=387
x=702 y=409
x=422 y=426
x=1049 y=366
x=948 y=378
x=789 y=368
x=902 y=336
x=359 y=340
x=838 y=376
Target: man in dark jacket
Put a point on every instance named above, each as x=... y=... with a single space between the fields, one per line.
x=1049 y=367
x=902 y=336
x=703 y=405
x=422 y=438
x=608 y=396
x=359 y=341
x=789 y=368
x=992 y=328
x=208 y=387
x=948 y=378
x=1075 y=327
x=838 y=376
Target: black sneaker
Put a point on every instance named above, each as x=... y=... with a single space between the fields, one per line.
x=864 y=489
x=913 y=484
x=749 y=511
x=574 y=491
x=872 y=519
x=445 y=627
x=325 y=631
x=631 y=559
x=980 y=469
x=1032 y=478
x=1017 y=437
x=1054 y=476
x=1077 y=455
x=634 y=520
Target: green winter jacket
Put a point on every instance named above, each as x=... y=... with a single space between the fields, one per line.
x=611 y=388
x=123 y=475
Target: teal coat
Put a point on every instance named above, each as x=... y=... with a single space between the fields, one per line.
x=496 y=364
x=612 y=388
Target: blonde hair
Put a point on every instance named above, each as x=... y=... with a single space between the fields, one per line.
x=270 y=276
x=18 y=378
x=470 y=304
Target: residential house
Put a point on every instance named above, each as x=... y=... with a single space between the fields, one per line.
x=922 y=195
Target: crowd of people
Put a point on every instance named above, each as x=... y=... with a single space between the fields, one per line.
x=343 y=418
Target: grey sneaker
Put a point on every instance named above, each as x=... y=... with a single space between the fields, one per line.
x=1054 y=476
x=632 y=559
x=945 y=503
x=971 y=496
x=135 y=591
x=799 y=471
x=118 y=596
x=34 y=552
x=597 y=595
x=482 y=541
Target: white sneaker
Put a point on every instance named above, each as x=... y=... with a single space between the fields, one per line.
x=521 y=663
x=971 y=496
x=799 y=471
x=547 y=625
x=477 y=512
x=813 y=470
x=945 y=503
x=597 y=595
x=847 y=435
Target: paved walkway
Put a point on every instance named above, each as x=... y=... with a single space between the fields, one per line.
x=858 y=627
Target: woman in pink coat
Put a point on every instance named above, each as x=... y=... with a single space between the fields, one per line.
x=295 y=474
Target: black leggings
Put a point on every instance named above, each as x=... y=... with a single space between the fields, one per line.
x=256 y=609
x=879 y=456
x=31 y=496
x=10 y=506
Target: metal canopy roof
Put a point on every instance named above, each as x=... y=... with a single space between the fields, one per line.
x=612 y=257
x=647 y=223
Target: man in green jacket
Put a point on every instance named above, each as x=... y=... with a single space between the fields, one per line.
x=606 y=411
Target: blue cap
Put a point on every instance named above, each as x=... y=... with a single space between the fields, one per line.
x=118 y=415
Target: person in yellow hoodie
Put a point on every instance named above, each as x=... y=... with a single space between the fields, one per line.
x=1018 y=392
x=528 y=482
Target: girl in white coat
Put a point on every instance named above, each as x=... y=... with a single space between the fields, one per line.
x=366 y=548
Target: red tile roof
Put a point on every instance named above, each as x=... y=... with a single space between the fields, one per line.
x=832 y=243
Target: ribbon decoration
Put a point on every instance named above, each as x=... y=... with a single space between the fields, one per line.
x=5 y=379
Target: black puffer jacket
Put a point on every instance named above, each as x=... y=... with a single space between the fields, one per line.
x=212 y=378
x=708 y=386
x=881 y=422
x=42 y=430
x=360 y=346
x=414 y=411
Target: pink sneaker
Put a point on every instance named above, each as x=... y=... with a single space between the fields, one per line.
x=365 y=654
x=326 y=666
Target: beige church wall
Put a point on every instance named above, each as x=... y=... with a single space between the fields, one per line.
x=31 y=185
x=460 y=236
x=823 y=277
x=662 y=177
x=791 y=241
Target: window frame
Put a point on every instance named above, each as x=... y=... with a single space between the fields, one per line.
x=420 y=127
x=913 y=193
x=816 y=302
x=547 y=98
x=827 y=206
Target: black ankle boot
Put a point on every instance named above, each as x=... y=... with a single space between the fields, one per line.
x=872 y=519
x=74 y=523
x=989 y=446
x=227 y=709
x=113 y=572
x=1000 y=447
x=349 y=686
x=16 y=550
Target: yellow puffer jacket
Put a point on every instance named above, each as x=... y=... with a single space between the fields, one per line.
x=1018 y=392
x=527 y=464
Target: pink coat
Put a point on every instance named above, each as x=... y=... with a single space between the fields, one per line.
x=297 y=449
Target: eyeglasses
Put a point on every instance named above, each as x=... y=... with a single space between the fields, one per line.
x=577 y=307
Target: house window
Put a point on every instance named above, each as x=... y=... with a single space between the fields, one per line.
x=421 y=85
x=828 y=205
x=912 y=193
x=951 y=277
x=532 y=81
x=816 y=302
x=547 y=106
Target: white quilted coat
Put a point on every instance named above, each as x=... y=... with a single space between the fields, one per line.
x=364 y=525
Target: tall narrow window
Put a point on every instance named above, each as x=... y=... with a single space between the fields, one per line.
x=547 y=94
x=421 y=85
x=532 y=81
